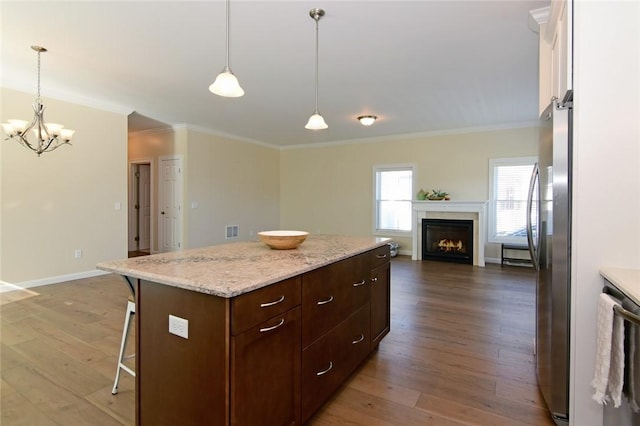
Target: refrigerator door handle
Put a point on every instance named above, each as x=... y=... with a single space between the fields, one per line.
x=533 y=245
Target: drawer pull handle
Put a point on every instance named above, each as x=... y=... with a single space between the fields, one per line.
x=263 y=330
x=324 y=302
x=320 y=373
x=381 y=256
x=359 y=284
x=374 y=279
x=358 y=340
x=275 y=302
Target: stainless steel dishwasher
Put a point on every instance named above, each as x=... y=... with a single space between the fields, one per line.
x=628 y=414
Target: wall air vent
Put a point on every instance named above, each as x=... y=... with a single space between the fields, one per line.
x=231 y=231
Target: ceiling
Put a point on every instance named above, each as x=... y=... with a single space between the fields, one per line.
x=420 y=66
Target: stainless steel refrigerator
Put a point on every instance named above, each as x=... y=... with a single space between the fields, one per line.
x=549 y=237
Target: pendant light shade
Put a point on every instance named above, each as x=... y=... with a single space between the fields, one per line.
x=316 y=122
x=226 y=84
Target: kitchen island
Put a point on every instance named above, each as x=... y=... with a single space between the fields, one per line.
x=264 y=336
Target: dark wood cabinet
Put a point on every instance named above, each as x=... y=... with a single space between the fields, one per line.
x=330 y=294
x=380 y=303
x=380 y=294
x=332 y=358
x=265 y=372
x=271 y=355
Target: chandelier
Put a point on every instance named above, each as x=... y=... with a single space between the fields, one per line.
x=47 y=136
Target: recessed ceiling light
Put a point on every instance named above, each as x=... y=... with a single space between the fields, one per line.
x=367 y=120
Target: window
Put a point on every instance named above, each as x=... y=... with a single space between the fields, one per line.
x=509 y=188
x=394 y=192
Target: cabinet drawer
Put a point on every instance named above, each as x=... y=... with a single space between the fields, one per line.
x=259 y=305
x=380 y=256
x=330 y=360
x=331 y=294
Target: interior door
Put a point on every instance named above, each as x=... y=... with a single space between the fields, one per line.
x=170 y=203
x=144 y=217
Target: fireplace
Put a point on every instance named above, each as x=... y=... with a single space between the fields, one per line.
x=475 y=211
x=448 y=240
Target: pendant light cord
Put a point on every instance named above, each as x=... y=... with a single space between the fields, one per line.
x=226 y=53
x=316 y=18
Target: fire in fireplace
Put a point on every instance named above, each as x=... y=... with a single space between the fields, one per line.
x=448 y=240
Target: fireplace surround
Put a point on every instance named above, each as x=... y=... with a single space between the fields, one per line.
x=466 y=210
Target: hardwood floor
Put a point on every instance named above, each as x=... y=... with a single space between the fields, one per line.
x=459 y=353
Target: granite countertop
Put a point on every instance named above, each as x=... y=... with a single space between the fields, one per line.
x=228 y=270
x=625 y=280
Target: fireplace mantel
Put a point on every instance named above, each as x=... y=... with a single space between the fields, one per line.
x=476 y=209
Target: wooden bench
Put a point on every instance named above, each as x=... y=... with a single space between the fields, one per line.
x=517 y=260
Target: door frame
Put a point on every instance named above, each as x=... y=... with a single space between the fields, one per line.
x=131 y=214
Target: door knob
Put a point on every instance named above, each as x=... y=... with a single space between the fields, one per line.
x=161 y=212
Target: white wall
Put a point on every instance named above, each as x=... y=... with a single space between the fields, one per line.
x=606 y=204
x=329 y=189
x=65 y=199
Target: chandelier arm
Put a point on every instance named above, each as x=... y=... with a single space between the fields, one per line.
x=22 y=136
x=46 y=145
x=56 y=146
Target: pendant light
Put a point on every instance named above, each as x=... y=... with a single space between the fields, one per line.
x=45 y=137
x=316 y=122
x=226 y=84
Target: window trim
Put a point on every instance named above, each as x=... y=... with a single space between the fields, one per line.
x=391 y=167
x=491 y=217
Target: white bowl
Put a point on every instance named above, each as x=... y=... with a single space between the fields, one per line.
x=282 y=240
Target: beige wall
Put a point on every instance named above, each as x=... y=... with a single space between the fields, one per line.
x=149 y=147
x=226 y=182
x=232 y=183
x=329 y=189
x=64 y=200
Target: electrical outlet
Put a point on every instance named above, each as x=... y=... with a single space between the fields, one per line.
x=77 y=253
x=179 y=326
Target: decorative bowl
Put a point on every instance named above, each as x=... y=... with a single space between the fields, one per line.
x=282 y=240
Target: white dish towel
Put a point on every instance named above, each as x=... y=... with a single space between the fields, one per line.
x=609 y=370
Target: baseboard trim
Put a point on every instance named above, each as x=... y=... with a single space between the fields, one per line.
x=492 y=260
x=58 y=279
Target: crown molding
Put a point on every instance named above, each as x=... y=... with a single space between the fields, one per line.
x=421 y=135
x=538 y=17
x=73 y=98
